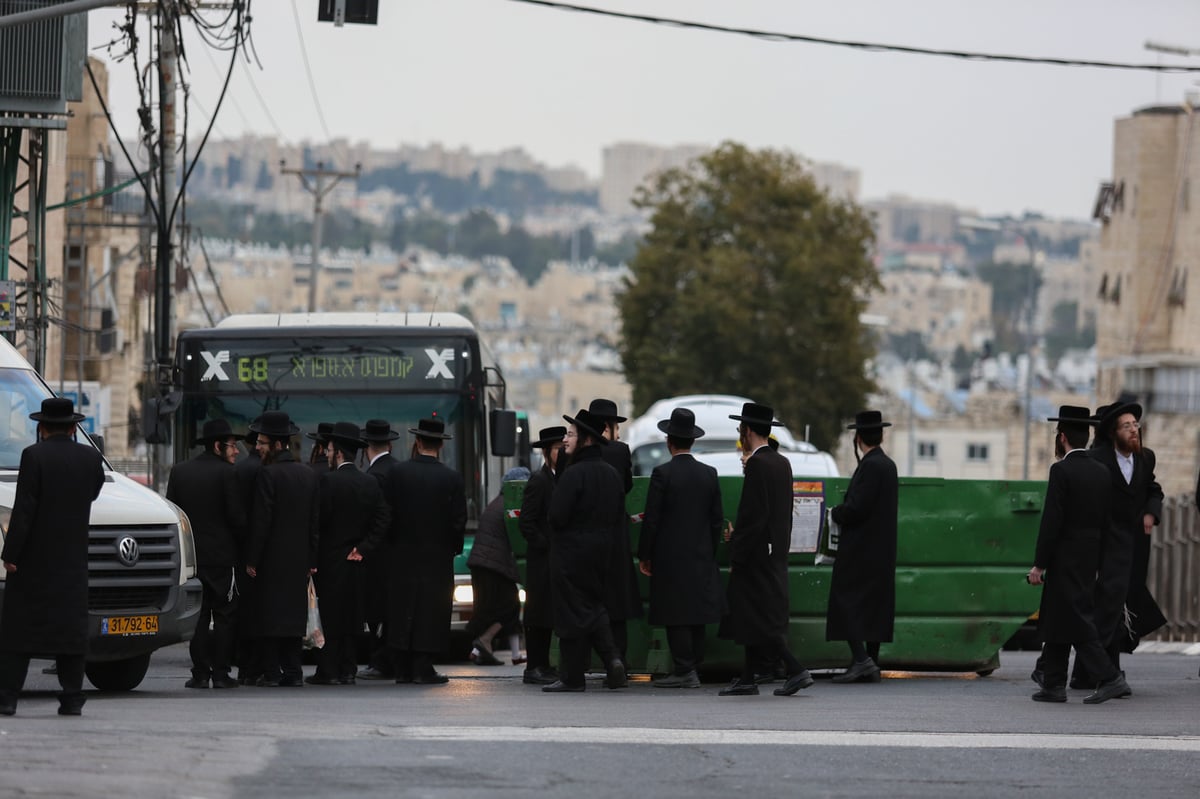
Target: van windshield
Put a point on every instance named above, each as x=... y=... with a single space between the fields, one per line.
x=21 y=393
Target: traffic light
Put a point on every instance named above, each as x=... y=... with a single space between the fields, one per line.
x=339 y=12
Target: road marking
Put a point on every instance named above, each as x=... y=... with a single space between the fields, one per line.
x=640 y=736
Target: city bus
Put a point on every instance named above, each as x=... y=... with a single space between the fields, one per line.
x=331 y=367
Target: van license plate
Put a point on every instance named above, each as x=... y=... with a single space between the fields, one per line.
x=129 y=625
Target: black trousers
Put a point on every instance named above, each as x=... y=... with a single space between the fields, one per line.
x=771 y=652
x=1089 y=655
x=620 y=637
x=687 y=647
x=14 y=666
x=280 y=658
x=537 y=647
x=212 y=650
x=336 y=659
x=576 y=652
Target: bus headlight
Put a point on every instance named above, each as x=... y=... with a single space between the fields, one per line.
x=464 y=594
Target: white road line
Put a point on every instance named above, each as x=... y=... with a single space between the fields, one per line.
x=642 y=736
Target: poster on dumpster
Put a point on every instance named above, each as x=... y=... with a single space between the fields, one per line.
x=808 y=511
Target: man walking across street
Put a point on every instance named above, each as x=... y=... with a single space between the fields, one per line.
x=206 y=488
x=677 y=549
x=862 y=593
x=45 y=556
x=534 y=523
x=1075 y=517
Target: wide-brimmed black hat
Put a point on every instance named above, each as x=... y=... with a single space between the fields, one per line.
x=57 y=410
x=589 y=423
x=431 y=428
x=868 y=420
x=322 y=434
x=682 y=424
x=753 y=413
x=252 y=436
x=1074 y=415
x=276 y=424
x=549 y=436
x=1124 y=404
x=346 y=434
x=215 y=430
x=379 y=430
x=605 y=410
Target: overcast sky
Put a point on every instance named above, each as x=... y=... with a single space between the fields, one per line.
x=494 y=74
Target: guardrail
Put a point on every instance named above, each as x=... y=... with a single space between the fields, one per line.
x=1174 y=576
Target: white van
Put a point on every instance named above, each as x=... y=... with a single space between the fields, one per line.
x=719 y=446
x=143 y=593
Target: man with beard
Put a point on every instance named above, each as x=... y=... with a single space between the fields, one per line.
x=862 y=592
x=758 y=553
x=1075 y=518
x=534 y=523
x=379 y=435
x=282 y=551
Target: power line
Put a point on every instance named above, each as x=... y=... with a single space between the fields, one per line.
x=312 y=85
x=869 y=46
x=263 y=103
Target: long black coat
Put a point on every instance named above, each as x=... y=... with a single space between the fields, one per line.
x=428 y=530
x=679 y=537
x=622 y=598
x=1125 y=551
x=206 y=488
x=1075 y=515
x=862 y=593
x=376 y=562
x=353 y=514
x=45 y=599
x=587 y=517
x=534 y=524
x=758 y=552
x=284 y=525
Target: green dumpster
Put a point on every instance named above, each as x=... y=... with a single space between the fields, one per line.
x=964 y=548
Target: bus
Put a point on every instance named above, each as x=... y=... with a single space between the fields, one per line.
x=330 y=367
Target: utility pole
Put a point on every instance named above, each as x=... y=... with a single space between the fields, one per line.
x=322 y=182
x=163 y=304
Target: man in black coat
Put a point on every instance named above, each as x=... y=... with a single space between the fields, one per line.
x=587 y=515
x=354 y=523
x=379 y=435
x=758 y=555
x=428 y=530
x=862 y=593
x=245 y=472
x=318 y=456
x=677 y=549
x=46 y=557
x=1074 y=519
x=534 y=524
x=282 y=551
x=206 y=488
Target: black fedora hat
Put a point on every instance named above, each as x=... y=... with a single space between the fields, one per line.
x=431 y=428
x=322 y=434
x=1074 y=415
x=276 y=424
x=753 y=413
x=252 y=436
x=378 y=430
x=682 y=424
x=215 y=430
x=1124 y=404
x=549 y=436
x=57 y=410
x=868 y=420
x=589 y=423
x=605 y=410
x=346 y=434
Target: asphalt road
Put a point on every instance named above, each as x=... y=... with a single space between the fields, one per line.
x=486 y=734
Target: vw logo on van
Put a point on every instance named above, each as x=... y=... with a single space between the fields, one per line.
x=127 y=550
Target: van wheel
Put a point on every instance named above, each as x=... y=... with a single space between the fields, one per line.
x=118 y=675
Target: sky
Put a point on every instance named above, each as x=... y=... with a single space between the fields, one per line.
x=494 y=74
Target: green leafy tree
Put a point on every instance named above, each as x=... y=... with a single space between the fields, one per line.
x=750 y=281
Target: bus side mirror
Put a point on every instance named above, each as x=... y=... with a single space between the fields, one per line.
x=504 y=433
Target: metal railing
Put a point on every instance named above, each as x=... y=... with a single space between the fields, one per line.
x=1174 y=576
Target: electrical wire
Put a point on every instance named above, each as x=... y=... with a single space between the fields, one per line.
x=868 y=46
x=262 y=102
x=312 y=85
x=141 y=176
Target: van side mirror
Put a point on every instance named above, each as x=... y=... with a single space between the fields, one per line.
x=503 y=426
x=98 y=440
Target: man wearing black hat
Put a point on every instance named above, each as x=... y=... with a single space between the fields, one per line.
x=45 y=556
x=354 y=524
x=622 y=597
x=677 y=549
x=318 y=457
x=245 y=472
x=282 y=551
x=862 y=592
x=1075 y=516
x=206 y=488
x=534 y=523
x=758 y=553
x=428 y=531
x=379 y=435
x=587 y=517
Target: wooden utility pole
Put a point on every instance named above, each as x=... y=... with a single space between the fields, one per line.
x=318 y=182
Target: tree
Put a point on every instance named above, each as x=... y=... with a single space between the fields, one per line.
x=750 y=281
x=1012 y=285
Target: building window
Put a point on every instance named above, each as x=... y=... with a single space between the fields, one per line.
x=927 y=450
x=977 y=453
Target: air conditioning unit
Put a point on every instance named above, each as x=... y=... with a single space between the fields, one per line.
x=42 y=62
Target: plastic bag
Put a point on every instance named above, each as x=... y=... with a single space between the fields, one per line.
x=827 y=544
x=313 y=637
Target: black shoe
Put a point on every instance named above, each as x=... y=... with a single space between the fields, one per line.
x=795 y=683
x=485 y=656
x=689 y=680
x=224 y=682
x=316 y=679
x=372 y=673
x=196 y=682
x=866 y=671
x=1039 y=678
x=560 y=687
x=615 y=678
x=1115 y=688
x=431 y=678
x=291 y=682
x=70 y=709
x=1051 y=695
x=739 y=688
x=346 y=680
x=539 y=676
x=268 y=682
x=8 y=710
